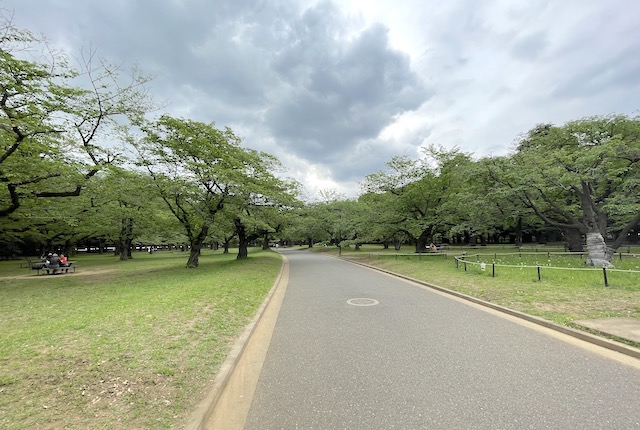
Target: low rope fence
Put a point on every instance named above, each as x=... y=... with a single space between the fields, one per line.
x=417 y=255
x=463 y=260
x=474 y=260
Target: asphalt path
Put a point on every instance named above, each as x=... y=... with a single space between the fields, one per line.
x=405 y=357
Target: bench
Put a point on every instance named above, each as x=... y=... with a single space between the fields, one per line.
x=40 y=266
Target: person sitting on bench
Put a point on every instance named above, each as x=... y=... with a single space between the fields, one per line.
x=54 y=264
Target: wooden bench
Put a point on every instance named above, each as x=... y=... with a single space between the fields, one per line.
x=41 y=266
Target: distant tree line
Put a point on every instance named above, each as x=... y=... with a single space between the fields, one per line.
x=578 y=183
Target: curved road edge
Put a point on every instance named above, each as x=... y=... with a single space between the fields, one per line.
x=216 y=407
x=229 y=399
x=582 y=335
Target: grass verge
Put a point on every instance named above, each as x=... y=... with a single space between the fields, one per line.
x=121 y=345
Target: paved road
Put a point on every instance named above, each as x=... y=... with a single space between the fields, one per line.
x=421 y=360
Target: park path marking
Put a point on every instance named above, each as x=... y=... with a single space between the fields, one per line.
x=360 y=301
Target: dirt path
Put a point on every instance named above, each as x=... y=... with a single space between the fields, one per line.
x=45 y=276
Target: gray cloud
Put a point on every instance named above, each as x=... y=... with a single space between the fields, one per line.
x=313 y=82
x=342 y=89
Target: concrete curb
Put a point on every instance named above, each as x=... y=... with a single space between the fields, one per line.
x=200 y=415
x=585 y=336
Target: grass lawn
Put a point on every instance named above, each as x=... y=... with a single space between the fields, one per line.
x=121 y=345
x=562 y=296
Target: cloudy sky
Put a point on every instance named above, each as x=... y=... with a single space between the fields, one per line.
x=334 y=88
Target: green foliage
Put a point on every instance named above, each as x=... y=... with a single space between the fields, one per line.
x=57 y=127
x=200 y=170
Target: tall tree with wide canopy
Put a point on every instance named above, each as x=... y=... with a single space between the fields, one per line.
x=583 y=177
x=199 y=169
x=260 y=204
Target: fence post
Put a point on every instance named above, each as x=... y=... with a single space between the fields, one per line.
x=538 y=273
x=493 y=270
x=465 y=266
x=620 y=256
x=606 y=281
x=456 y=258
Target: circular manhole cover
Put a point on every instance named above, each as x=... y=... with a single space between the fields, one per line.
x=363 y=302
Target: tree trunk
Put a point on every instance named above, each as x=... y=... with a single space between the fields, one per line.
x=483 y=240
x=68 y=248
x=194 y=256
x=225 y=245
x=595 y=225
x=518 y=238
x=243 y=240
x=573 y=239
x=196 y=244
x=421 y=243
x=622 y=236
x=309 y=242
x=598 y=254
x=265 y=241
x=125 y=239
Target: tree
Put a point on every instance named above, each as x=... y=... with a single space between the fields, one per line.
x=303 y=225
x=55 y=121
x=125 y=209
x=261 y=202
x=33 y=96
x=198 y=170
x=497 y=206
x=582 y=177
x=416 y=190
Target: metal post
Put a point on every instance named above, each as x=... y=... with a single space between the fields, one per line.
x=604 y=272
x=538 y=273
x=465 y=266
x=493 y=270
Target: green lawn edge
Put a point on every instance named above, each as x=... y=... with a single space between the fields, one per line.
x=121 y=345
